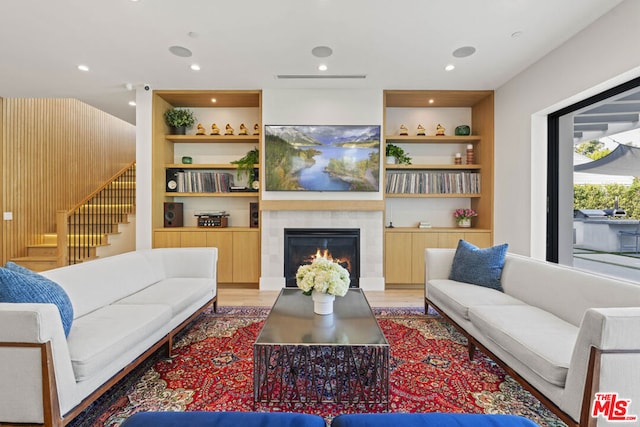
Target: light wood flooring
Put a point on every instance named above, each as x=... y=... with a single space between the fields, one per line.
x=228 y=296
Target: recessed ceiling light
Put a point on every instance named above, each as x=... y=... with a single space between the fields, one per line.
x=132 y=103
x=450 y=67
x=464 y=51
x=321 y=51
x=214 y=100
x=83 y=68
x=195 y=67
x=180 y=51
x=431 y=101
x=322 y=67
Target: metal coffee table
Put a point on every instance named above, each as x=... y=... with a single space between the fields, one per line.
x=300 y=356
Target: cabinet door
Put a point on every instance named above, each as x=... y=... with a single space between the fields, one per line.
x=223 y=241
x=166 y=239
x=397 y=257
x=420 y=242
x=193 y=239
x=481 y=240
x=246 y=257
x=449 y=239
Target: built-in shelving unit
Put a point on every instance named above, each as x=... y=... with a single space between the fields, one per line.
x=239 y=243
x=433 y=158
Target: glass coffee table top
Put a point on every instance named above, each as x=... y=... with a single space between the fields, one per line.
x=292 y=321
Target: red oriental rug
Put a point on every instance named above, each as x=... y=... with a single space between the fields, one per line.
x=213 y=362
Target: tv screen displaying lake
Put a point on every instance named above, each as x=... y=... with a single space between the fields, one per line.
x=322 y=158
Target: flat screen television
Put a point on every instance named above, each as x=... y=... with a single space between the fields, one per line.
x=322 y=158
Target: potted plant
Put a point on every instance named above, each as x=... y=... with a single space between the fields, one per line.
x=246 y=165
x=463 y=216
x=179 y=119
x=396 y=155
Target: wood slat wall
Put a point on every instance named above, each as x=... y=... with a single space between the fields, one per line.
x=54 y=153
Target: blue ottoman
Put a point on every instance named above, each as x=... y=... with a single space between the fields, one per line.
x=430 y=420
x=223 y=419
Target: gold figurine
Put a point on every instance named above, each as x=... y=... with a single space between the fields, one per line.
x=403 y=130
x=420 y=130
x=200 y=130
x=228 y=130
x=215 y=130
x=256 y=129
x=243 y=130
x=439 y=130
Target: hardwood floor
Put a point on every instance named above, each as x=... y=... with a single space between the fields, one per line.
x=254 y=297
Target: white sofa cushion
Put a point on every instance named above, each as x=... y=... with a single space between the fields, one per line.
x=99 y=336
x=94 y=284
x=538 y=339
x=459 y=296
x=176 y=293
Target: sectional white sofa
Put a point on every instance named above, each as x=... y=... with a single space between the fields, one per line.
x=563 y=333
x=125 y=308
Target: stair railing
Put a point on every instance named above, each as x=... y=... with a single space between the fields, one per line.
x=82 y=228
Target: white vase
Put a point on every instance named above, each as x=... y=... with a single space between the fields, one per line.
x=391 y=160
x=465 y=223
x=322 y=303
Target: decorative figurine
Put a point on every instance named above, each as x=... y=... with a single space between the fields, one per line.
x=403 y=130
x=215 y=130
x=228 y=129
x=420 y=130
x=256 y=129
x=439 y=130
x=200 y=130
x=243 y=130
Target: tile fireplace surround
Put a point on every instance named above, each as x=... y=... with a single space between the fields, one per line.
x=370 y=224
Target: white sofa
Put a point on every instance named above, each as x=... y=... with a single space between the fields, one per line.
x=125 y=307
x=563 y=333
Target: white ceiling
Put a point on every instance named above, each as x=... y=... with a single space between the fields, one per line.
x=243 y=44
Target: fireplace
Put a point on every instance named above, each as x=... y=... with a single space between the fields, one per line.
x=303 y=245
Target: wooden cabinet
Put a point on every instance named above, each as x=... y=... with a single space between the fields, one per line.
x=238 y=249
x=209 y=176
x=404 y=250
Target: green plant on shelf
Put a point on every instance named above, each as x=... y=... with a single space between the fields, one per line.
x=401 y=157
x=179 y=117
x=247 y=163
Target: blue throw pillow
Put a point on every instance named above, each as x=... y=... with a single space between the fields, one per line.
x=21 y=285
x=479 y=266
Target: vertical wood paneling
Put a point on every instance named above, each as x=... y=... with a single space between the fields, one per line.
x=55 y=152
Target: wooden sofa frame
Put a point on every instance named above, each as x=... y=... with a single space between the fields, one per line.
x=51 y=406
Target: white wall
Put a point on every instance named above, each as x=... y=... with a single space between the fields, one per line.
x=603 y=55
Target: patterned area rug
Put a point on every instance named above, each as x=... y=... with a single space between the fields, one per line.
x=213 y=363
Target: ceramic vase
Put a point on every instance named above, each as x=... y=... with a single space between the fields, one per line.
x=322 y=303
x=465 y=223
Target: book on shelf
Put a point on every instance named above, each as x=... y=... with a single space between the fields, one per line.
x=424 y=224
x=433 y=182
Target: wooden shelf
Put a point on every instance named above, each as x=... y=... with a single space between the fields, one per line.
x=427 y=196
x=435 y=230
x=204 y=166
x=432 y=139
x=208 y=139
x=230 y=194
x=439 y=167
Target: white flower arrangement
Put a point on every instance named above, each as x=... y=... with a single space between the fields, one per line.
x=323 y=276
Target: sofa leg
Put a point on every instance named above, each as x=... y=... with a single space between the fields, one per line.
x=426 y=307
x=472 y=350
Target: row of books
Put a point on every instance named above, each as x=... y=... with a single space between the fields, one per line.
x=203 y=182
x=417 y=182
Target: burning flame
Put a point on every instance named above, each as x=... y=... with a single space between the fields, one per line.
x=326 y=254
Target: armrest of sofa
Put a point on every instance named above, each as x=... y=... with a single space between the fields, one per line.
x=26 y=328
x=615 y=333
x=438 y=263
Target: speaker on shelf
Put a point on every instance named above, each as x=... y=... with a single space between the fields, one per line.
x=171 y=180
x=254 y=215
x=172 y=214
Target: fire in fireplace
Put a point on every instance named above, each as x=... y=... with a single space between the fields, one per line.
x=303 y=245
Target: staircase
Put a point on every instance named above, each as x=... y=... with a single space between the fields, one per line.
x=87 y=226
